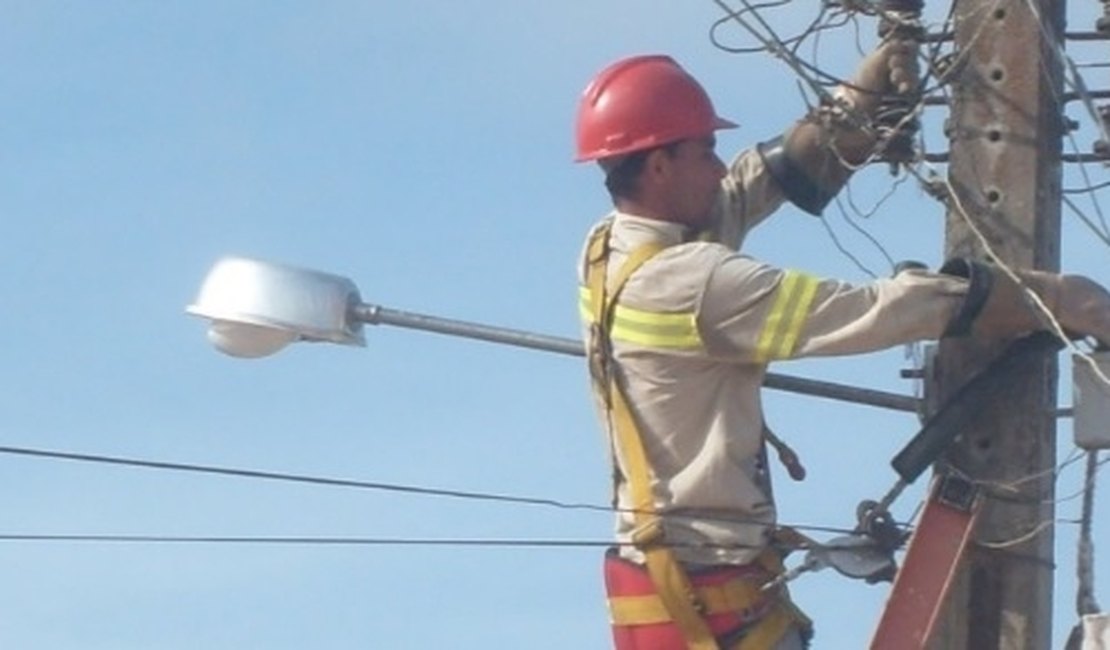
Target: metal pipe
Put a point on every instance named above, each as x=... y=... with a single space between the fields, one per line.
x=378 y=315
x=1066 y=97
x=942 y=158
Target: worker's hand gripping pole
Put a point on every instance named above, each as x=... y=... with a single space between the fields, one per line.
x=896 y=118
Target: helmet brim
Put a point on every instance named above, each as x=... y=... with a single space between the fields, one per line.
x=720 y=123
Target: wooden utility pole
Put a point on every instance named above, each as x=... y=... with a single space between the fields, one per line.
x=1005 y=133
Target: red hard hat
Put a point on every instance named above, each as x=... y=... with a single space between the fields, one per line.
x=639 y=103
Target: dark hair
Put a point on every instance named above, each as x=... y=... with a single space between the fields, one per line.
x=621 y=179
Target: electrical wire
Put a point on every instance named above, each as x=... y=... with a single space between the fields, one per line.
x=1075 y=80
x=301 y=540
x=1084 y=190
x=779 y=47
x=713 y=38
x=299 y=478
x=774 y=45
x=1006 y=490
x=958 y=60
x=841 y=247
x=1042 y=310
x=1065 y=63
x=1084 y=522
x=1093 y=227
x=1099 y=228
x=865 y=215
x=715 y=515
x=1081 y=89
x=304 y=540
x=1024 y=537
x=307 y=541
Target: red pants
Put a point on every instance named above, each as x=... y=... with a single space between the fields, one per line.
x=624 y=578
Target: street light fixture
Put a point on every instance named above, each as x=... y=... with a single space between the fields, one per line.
x=256 y=308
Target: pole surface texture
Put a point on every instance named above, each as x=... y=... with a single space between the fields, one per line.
x=1005 y=174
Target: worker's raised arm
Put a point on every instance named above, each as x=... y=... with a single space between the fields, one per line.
x=1003 y=302
x=813 y=160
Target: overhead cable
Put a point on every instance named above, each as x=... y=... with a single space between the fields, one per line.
x=716 y=515
x=299 y=478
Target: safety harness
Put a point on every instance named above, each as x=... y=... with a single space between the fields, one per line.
x=766 y=615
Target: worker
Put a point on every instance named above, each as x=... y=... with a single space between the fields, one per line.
x=680 y=328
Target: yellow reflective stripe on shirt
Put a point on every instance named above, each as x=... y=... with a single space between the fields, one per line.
x=647 y=328
x=787 y=317
x=585 y=307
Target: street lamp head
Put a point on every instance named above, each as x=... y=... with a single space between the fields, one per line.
x=247 y=341
x=256 y=308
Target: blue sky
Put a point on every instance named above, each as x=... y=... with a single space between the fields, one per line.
x=423 y=150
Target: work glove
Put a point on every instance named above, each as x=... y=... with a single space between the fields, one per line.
x=890 y=71
x=819 y=154
x=876 y=104
x=1080 y=305
x=848 y=123
x=1083 y=307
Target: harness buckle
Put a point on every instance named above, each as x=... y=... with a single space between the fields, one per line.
x=649 y=533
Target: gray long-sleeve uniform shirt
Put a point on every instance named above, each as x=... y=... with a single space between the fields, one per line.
x=694 y=330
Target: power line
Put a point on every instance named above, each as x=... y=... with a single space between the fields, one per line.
x=372 y=485
x=308 y=541
x=299 y=478
x=393 y=487
x=1085 y=190
x=302 y=540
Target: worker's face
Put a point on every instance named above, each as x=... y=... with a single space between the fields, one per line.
x=694 y=180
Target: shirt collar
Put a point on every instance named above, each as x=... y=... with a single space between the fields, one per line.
x=631 y=231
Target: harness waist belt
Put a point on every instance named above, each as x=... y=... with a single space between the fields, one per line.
x=737 y=596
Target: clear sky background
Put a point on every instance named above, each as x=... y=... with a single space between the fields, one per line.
x=423 y=150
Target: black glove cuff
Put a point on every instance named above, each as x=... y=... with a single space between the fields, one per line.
x=980 y=279
x=798 y=188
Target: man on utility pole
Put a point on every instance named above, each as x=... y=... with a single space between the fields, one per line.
x=680 y=329
x=1005 y=131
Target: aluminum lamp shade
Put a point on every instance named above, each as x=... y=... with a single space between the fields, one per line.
x=256 y=308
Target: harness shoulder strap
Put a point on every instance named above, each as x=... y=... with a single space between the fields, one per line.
x=669 y=578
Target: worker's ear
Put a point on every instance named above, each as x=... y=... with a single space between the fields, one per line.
x=658 y=165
